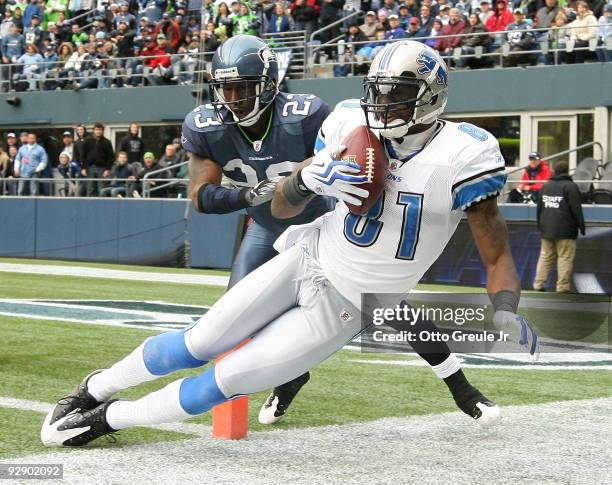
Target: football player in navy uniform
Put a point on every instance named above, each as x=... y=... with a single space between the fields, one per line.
x=252 y=134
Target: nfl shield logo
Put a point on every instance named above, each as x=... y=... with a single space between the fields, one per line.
x=257 y=145
x=393 y=166
x=345 y=316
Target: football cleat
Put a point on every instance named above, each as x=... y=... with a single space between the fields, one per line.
x=78 y=428
x=278 y=401
x=79 y=400
x=473 y=403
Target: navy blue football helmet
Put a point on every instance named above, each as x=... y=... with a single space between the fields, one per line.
x=250 y=62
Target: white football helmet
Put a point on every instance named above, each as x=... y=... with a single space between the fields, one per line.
x=404 y=76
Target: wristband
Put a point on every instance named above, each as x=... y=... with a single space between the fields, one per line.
x=214 y=199
x=505 y=300
x=294 y=189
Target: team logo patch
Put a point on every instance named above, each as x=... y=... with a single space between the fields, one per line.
x=428 y=63
x=257 y=145
x=350 y=158
x=393 y=166
x=345 y=316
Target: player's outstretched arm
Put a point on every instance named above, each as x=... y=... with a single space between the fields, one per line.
x=210 y=197
x=290 y=201
x=491 y=237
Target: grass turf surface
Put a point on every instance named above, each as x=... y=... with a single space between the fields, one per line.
x=43 y=360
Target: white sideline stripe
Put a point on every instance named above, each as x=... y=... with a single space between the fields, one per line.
x=559 y=442
x=44 y=408
x=115 y=274
x=521 y=367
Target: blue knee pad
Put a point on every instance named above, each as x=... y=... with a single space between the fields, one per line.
x=167 y=352
x=200 y=393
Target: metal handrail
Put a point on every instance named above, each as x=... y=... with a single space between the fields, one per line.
x=84 y=14
x=146 y=191
x=564 y=152
x=334 y=23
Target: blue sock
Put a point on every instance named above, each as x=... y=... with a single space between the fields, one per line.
x=200 y=393
x=167 y=352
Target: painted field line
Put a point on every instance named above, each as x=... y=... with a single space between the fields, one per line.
x=115 y=274
x=553 y=443
x=518 y=366
x=44 y=408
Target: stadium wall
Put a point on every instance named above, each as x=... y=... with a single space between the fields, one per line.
x=144 y=231
x=491 y=90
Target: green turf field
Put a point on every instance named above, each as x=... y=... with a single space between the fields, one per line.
x=41 y=360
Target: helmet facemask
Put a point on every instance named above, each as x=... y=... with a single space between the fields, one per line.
x=254 y=95
x=391 y=104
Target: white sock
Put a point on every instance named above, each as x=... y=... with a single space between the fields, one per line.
x=159 y=407
x=448 y=367
x=128 y=372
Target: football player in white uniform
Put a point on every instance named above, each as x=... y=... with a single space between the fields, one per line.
x=304 y=305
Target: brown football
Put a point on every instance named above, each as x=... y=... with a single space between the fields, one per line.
x=364 y=148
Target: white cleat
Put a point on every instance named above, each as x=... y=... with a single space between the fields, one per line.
x=487 y=414
x=271 y=412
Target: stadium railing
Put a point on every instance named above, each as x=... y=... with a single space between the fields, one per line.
x=120 y=68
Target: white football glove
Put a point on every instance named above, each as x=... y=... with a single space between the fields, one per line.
x=519 y=331
x=335 y=178
x=263 y=192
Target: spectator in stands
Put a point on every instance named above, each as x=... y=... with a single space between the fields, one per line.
x=95 y=69
x=159 y=63
x=444 y=15
x=485 y=11
x=78 y=153
x=372 y=48
x=4 y=170
x=78 y=37
x=330 y=12
x=223 y=22
x=54 y=8
x=246 y=22
x=11 y=140
x=170 y=159
x=446 y=45
x=65 y=174
x=585 y=30
x=6 y=23
x=413 y=8
x=68 y=143
x=18 y=18
x=179 y=150
x=395 y=30
x=124 y=15
x=153 y=9
x=122 y=169
x=12 y=48
x=469 y=43
x=211 y=42
x=559 y=218
x=280 y=20
x=604 y=52
x=78 y=8
x=150 y=165
x=31 y=66
x=33 y=33
x=436 y=29
x=425 y=21
x=123 y=38
x=98 y=158
x=389 y=7
x=370 y=26
x=132 y=144
x=546 y=15
x=30 y=163
x=11 y=181
x=498 y=22
x=558 y=35
x=403 y=16
x=537 y=170
x=32 y=10
x=520 y=38
x=414 y=28
x=304 y=13
x=171 y=30
x=72 y=67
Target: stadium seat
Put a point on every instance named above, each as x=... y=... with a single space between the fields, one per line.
x=603 y=193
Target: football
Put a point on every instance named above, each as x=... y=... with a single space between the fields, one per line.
x=364 y=148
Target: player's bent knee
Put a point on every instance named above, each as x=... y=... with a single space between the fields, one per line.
x=167 y=353
x=200 y=393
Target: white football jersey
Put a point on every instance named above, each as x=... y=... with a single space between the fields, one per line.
x=425 y=194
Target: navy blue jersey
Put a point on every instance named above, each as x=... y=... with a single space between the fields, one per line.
x=295 y=123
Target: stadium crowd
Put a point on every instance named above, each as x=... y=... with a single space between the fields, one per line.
x=79 y=44
x=88 y=165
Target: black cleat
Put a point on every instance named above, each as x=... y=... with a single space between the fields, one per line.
x=79 y=400
x=475 y=404
x=278 y=401
x=79 y=428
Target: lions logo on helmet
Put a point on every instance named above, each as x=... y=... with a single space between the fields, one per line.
x=246 y=64
x=407 y=85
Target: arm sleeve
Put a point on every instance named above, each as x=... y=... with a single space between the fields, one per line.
x=574 y=200
x=44 y=160
x=481 y=174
